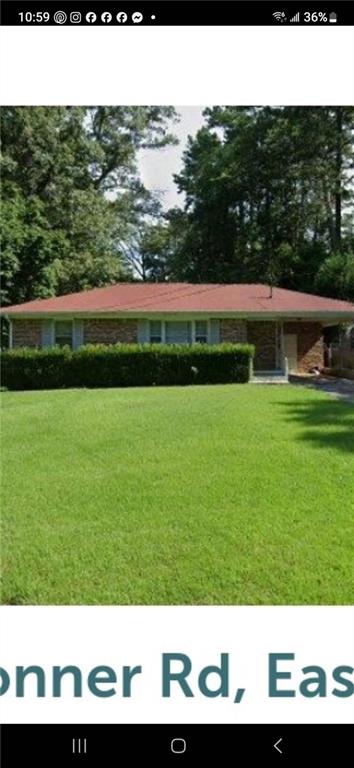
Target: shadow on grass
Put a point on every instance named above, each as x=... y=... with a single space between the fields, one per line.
x=328 y=424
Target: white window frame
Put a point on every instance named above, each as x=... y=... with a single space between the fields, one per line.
x=72 y=331
x=162 y=332
x=194 y=332
x=193 y=329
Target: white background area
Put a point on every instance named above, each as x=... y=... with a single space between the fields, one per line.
x=178 y=65
x=90 y=636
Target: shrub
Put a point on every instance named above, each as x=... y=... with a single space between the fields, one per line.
x=341 y=373
x=343 y=358
x=126 y=365
x=27 y=368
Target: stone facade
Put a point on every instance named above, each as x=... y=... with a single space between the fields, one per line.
x=263 y=335
x=234 y=331
x=97 y=331
x=310 y=349
x=26 y=333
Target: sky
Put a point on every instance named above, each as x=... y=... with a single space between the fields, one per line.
x=158 y=166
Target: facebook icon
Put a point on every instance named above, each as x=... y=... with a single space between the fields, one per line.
x=90 y=17
x=106 y=17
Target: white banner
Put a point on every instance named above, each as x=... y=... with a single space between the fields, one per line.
x=248 y=65
x=252 y=682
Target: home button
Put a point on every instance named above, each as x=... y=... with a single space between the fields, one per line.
x=178 y=746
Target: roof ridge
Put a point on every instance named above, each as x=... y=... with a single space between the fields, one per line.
x=206 y=287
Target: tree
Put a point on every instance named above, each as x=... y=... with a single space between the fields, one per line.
x=338 y=270
x=268 y=195
x=147 y=255
x=72 y=194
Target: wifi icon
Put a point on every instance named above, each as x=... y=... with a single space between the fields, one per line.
x=279 y=16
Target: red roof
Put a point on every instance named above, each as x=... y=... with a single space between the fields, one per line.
x=183 y=297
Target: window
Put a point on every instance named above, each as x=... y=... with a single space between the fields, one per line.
x=155 y=332
x=63 y=333
x=178 y=332
x=201 y=332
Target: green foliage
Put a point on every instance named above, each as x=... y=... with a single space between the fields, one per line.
x=72 y=195
x=127 y=365
x=28 y=368
x=147 y=251
x=337 y=270
x=268 y=197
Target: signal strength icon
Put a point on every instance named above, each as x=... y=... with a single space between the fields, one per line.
x=279 y=16
x=295 y=18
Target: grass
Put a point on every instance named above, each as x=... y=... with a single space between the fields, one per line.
x=198 y=495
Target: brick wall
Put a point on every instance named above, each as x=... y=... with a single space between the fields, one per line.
x=26 y=333
x=234 y=331
x=309 y=344
x=262 y=335
x=110 y=331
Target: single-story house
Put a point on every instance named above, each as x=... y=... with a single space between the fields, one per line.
x=285 y=326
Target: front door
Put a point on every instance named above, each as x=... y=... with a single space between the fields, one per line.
x=290 y=351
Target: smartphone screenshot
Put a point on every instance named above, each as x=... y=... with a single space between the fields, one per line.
x=177 y=382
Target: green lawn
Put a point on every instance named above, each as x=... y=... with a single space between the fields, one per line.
x=205 y=495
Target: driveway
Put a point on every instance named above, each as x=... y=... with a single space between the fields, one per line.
x=341 y=388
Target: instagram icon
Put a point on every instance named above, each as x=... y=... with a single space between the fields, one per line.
x=75 y=17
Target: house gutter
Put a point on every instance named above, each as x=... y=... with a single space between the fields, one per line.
x=338 y=317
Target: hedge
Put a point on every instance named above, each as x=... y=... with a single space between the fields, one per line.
x=125 y=365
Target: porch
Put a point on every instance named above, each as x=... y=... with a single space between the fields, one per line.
x=273 y=347
x=271 y=377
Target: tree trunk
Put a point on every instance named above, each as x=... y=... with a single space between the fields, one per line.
x=338 y=181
